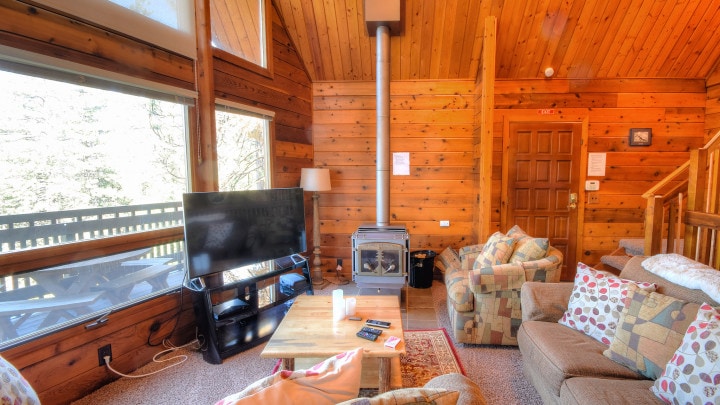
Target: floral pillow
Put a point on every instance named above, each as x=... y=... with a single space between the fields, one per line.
x=596 y=302
x=14 y=389
x=496 y=250
x=692 y=376
x=332 y=381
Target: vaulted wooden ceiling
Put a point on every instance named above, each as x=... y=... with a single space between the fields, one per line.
x=442 y=39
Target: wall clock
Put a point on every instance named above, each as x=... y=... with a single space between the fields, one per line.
x=640 y=136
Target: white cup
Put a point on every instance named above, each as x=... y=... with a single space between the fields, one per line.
x=350 y=306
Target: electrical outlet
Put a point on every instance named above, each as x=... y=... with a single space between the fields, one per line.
x=102 y=352
x=444 y=223
x=593 y=198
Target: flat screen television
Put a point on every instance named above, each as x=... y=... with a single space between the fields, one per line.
x=226 y=230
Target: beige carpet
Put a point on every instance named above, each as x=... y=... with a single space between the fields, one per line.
x=497 y=370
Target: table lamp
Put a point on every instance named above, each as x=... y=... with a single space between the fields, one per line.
x=316 y=179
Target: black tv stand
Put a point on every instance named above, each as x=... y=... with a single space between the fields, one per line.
x=241 y=308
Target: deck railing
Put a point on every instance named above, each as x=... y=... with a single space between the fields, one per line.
x=51 y=228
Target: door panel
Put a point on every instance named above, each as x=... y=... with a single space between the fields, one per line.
x=543 y=164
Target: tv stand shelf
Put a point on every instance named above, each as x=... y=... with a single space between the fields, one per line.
x=241 y=308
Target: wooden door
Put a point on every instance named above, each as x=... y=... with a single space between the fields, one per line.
x=543 y=163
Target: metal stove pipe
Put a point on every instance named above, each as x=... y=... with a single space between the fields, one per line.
x=383 y=126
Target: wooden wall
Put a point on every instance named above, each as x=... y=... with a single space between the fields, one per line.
x=287 y=92
x=673 y=109
x=64 y=366
x=433 y=121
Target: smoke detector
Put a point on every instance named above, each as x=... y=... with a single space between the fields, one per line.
x=549 y=72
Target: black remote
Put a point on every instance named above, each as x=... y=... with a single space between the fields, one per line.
x=379 y=324
x=366 y=335
x=371 y=330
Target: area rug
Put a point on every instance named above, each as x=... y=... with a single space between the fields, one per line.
x=430 y=353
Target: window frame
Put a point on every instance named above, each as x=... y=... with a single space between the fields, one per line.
x=32 y=259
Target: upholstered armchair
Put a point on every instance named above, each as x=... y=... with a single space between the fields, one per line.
x=483 y=284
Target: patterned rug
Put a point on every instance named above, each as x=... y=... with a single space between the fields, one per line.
x=430 y=353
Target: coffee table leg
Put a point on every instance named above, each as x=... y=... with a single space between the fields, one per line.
x=384 y=374
x=287 y=364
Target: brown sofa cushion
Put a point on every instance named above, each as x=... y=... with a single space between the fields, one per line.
x=601 y=391
x=634 y=271
x=555 y=353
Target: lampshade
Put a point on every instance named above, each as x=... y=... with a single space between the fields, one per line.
x=315 y=179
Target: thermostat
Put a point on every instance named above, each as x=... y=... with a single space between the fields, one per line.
x=592 y=185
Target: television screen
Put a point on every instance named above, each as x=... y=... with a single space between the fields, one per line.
x=226 y=230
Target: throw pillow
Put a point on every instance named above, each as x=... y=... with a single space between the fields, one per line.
x=496 y=250
x=692 y=376
x=435 y=396
x=334 y=380
x=527 y=248
x=14 y=389
x=596 y=302
x=650 y=329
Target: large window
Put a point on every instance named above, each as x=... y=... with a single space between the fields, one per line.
x=82 y=165
x=239 y=28
x=242 y=148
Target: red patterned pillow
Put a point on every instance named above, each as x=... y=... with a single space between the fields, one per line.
x=597 y=301
x=692 y=376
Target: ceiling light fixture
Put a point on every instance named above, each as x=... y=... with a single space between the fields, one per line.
x=549 y=72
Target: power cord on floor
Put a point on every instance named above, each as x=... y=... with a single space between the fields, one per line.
x=171 y=348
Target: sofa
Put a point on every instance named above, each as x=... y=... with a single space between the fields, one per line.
x=612 y=348
x=483 y=284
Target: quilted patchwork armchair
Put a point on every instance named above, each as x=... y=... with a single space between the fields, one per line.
x=483 y=284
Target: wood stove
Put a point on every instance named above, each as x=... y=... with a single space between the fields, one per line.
x=381 y=254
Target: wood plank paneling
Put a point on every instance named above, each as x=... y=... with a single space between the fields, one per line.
x=287 y=92
x=578 y=38
x=432 y=121
x=673 y=109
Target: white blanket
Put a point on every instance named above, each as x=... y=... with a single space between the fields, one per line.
x=685 y=272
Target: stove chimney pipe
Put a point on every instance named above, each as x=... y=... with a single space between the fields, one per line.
x=383 y=126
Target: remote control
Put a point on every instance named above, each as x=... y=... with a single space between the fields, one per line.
x=379 y=324
x=371 y=330
x=355 y=318
x=366 y=335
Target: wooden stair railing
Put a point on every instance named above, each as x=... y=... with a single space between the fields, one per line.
x=684 y=208
x=666 y=202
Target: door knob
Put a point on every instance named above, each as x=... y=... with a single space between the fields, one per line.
x=572 y=201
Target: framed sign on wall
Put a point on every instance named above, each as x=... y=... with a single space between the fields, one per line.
x=640 y=136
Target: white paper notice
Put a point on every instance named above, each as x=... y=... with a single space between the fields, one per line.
x=596 y=164
x=401 y=163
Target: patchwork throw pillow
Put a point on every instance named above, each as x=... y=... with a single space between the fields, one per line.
x=692 y=376
x=597 y=301
x=650 y=329
x=435 y=396
x=527 y=248
x=496 y=250
x=334 y=380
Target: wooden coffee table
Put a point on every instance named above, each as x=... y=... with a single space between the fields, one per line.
x=309 y=334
